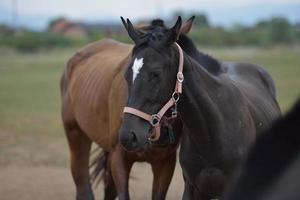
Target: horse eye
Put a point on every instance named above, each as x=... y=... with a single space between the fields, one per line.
x=154 y=75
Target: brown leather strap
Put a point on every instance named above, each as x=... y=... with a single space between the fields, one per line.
x=166 y=107
x=177 y=91
x=156 y=132
x=138 y=113
x=180 y=77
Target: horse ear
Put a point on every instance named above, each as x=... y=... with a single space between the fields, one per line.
x=187 y=26
x=132 y=32
x=124 y=23
x=174 y=32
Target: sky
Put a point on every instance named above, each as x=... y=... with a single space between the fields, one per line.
x=37 y=13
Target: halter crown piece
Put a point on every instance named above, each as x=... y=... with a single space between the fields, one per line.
x=155 y=119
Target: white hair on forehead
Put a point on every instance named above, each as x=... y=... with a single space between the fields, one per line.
x=136 y=67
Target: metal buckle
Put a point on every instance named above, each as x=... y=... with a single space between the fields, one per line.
x=175 y=96
x=174 y=111
x=155 y=119
x=174 y=114
x=180 y=77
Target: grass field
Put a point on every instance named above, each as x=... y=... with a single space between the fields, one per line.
x=31 y=132
x=29 y=84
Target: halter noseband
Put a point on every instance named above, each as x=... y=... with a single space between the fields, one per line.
x=155 y=119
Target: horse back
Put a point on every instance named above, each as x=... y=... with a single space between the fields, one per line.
x=93 y=89
x=258 y=89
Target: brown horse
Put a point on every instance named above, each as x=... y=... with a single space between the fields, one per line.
x=94 y=93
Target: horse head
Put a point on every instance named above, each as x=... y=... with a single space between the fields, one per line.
x=151 y=78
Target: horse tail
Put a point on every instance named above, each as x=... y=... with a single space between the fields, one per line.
x=98 y=166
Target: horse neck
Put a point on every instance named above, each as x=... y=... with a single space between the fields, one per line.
x=197 y=108
x=210 y=64
x=187 y=45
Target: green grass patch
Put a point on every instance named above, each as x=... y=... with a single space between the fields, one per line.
x=29 y=91
x=282 y=63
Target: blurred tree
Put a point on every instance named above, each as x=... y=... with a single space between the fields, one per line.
x=296 y=27
x=280 y=31
x=6 y=30
x=237 y=27
x=263 y=24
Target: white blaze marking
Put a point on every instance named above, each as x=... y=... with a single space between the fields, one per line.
x=136 y=67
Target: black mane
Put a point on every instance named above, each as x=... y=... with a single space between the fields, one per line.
x=211 y=64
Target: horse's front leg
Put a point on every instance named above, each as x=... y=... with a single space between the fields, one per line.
x=163 y=173
x=120 y=168
x=80 y=146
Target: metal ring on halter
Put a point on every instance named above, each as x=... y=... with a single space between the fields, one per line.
x=175 y=96
x=180 y=77
x=155 y=119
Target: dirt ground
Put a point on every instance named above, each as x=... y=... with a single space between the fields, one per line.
x=50 y=182
x=36 y=169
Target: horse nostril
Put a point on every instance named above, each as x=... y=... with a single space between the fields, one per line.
x=133 y=137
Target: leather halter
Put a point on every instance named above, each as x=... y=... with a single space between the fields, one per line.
x=155 y=119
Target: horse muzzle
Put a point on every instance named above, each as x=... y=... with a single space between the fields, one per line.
x=133 y=140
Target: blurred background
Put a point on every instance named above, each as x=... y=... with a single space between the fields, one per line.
x=37 y=37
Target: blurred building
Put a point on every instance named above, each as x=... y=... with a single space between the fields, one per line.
x=68 y=28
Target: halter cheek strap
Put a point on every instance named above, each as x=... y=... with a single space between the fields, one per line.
x=155 y=119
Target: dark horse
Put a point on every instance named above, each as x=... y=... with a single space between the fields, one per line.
x=222 y=106
x=271 y=171
x=93 y=94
